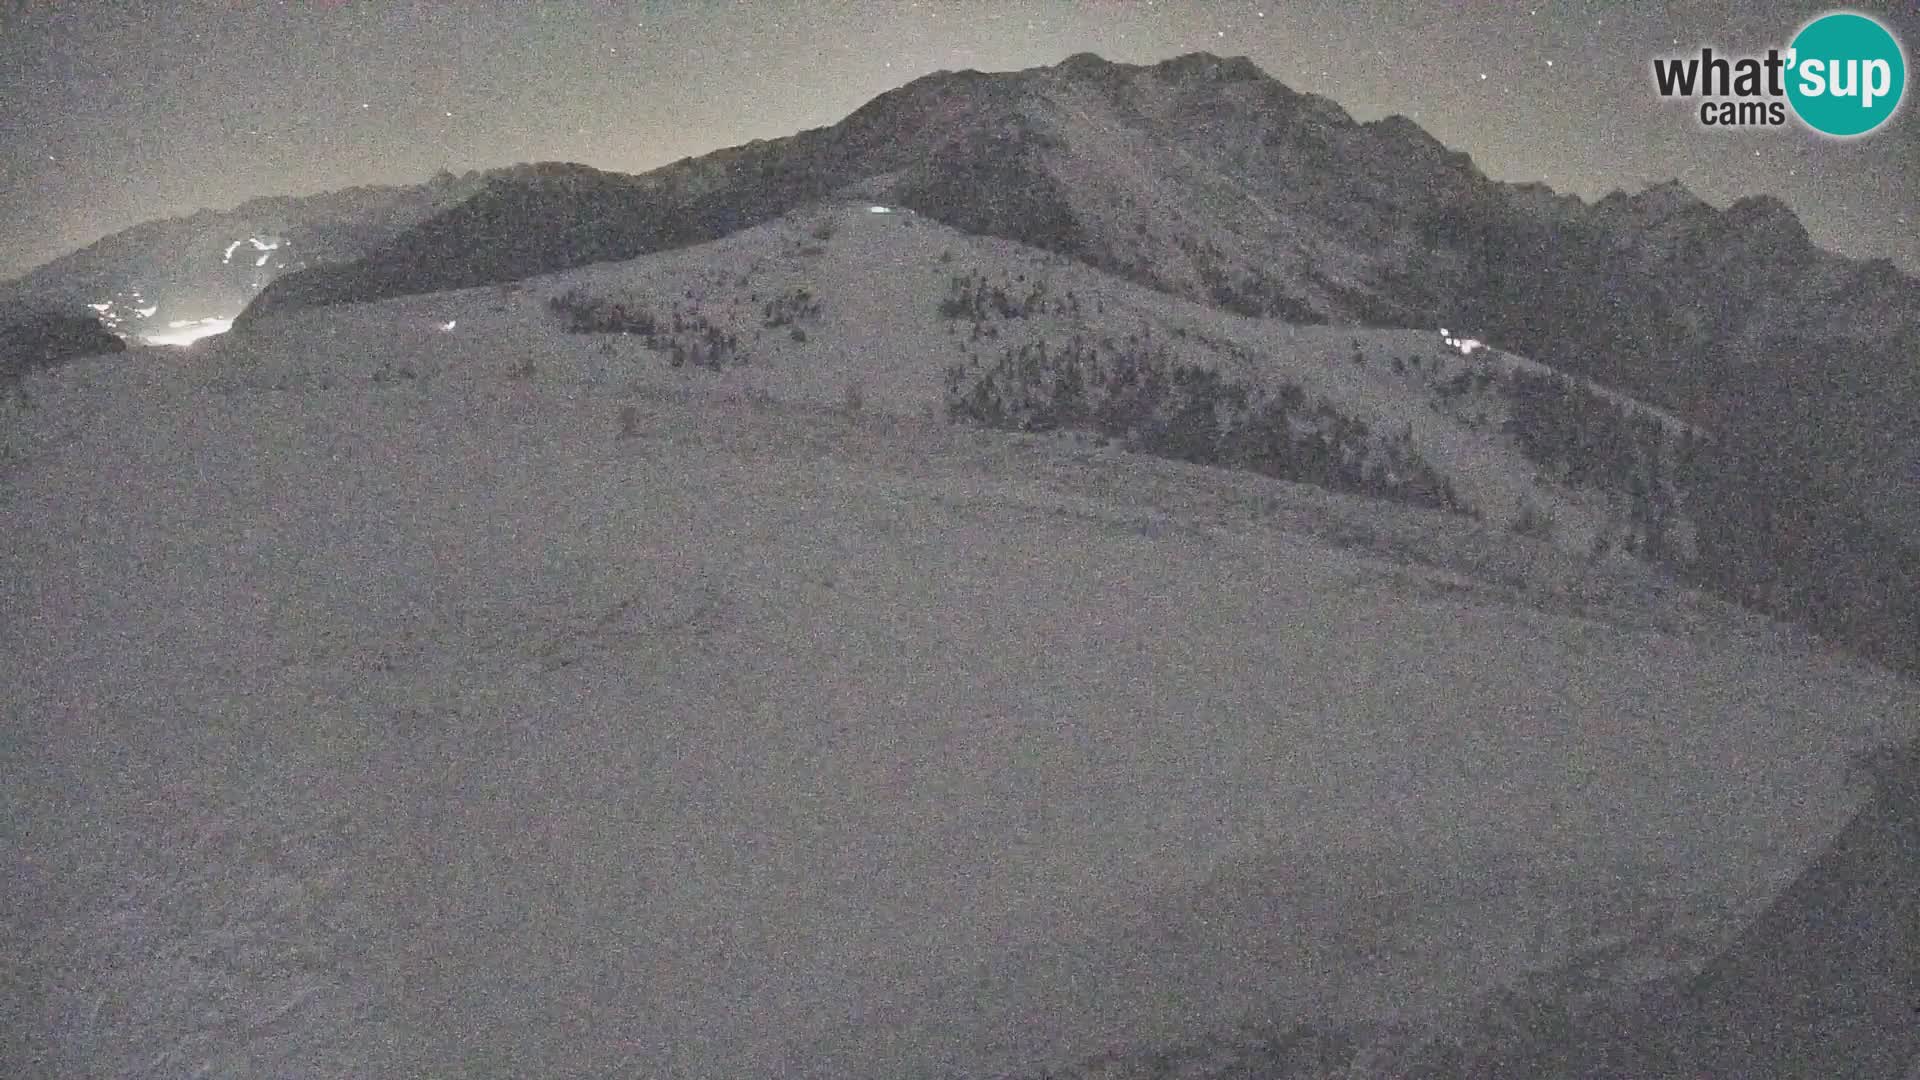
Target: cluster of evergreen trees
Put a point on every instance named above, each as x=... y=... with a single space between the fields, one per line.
x=1255 y=295
x=1771 y=540
x=699 y=342
x=1768 y=533
x=1586 y=439
x=587 y=315
x=790 y=307
x=687 y=337
x=1141 y=397
x=1475 y=380
x=973 y=296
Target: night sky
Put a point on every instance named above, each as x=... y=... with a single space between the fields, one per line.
x=117 y=112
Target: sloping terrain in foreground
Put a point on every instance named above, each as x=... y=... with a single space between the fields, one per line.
x=379 y=703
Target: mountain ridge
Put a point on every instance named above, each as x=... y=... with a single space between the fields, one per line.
x=1203 y=178
x=1195 y=178
x=869 y=143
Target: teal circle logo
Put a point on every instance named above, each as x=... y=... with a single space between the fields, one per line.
x=1845 y=74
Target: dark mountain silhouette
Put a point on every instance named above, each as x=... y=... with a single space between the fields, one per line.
x=1731 y=318
x=549 y=216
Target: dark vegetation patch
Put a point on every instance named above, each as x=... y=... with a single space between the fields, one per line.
x=684 y=336
x=976 y=297
x=793 y=306
x=1770 y=532
x=1136 y=394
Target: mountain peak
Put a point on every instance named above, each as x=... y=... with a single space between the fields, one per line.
x=1205 y=65
x=1653 y=204
x=1768 y=215
x=1403 y=130
x=1666 y=195
x=1400 y=125
x=1086 y=62
x=1402 y=140
x=1193 y=66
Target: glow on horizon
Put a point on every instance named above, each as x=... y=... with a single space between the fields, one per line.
x=188 y=331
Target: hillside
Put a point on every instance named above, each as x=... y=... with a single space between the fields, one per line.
x=793 y=308
x=1394 y=413
x=1203 y=178
x=424 y=685
x=30 y=340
